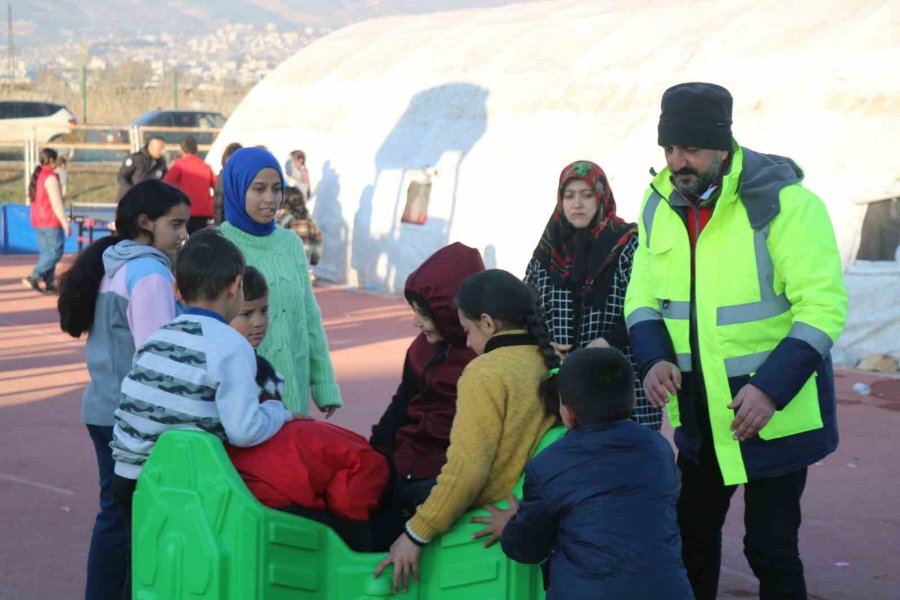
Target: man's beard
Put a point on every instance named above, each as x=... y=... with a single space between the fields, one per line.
x=701 y=182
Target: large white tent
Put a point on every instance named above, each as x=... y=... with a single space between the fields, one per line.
x=487 y=105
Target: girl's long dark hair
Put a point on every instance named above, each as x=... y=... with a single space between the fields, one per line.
x=506 y=299
x=46 y=157
x=80 y=284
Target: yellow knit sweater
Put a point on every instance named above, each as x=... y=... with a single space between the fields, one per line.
x=499 y=421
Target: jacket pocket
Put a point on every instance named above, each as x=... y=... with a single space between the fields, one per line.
x=801 y=414
x=660 y=267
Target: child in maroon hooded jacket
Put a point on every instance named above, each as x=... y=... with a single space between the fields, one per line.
x=414 y=431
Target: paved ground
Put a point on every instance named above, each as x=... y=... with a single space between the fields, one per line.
x=850 y=536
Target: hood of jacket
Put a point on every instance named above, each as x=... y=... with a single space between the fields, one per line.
x=436 y=283
x=117 y=255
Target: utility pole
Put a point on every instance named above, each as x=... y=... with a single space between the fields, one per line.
x=11 y=69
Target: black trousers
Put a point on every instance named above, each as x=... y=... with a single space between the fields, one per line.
x=771 y=521
x=407 y=495
x=123 y=493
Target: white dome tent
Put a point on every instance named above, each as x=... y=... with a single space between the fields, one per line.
x=487 y=106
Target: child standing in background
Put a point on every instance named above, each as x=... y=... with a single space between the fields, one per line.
x=48 y=218
x=296 y=217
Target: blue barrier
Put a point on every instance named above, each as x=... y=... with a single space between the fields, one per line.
x=18 y=234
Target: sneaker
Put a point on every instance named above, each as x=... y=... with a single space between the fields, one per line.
x=32 y=283
x=51 y=288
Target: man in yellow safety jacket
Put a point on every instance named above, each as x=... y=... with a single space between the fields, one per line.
x=735 y=300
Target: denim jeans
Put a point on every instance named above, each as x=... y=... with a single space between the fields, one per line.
x=108 y=552
x=50 y=248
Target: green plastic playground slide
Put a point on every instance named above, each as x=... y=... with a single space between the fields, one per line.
x=199 y=533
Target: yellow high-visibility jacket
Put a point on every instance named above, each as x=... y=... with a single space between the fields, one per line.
x=765 y=305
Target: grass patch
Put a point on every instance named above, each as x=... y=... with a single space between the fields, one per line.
x=87 y=183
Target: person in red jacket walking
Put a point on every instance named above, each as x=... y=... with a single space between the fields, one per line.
x=48 y=217
x=414 y=431
x=196 y=179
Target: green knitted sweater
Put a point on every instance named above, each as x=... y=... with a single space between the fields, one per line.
x=295 y=343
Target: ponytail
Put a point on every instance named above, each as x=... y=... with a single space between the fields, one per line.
x=79 y=287
x=507 y=299
x=46 y=156
x=32 y=183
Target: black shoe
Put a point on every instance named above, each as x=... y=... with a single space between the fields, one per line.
x=32 y=283
x=51 y=288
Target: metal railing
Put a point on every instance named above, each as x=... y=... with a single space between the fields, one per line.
x=123 y=138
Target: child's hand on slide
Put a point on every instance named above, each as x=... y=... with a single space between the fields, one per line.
x=496 y=523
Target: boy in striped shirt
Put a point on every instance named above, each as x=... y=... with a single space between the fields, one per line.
x=196 y=372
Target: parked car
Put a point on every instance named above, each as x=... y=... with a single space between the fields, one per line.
x=19 y=117
x=180 y=118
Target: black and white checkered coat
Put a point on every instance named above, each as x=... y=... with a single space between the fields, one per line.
x=558 y=310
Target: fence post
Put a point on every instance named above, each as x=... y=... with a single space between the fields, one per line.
x=30 y=159
x=135 y=138
x=84 y=111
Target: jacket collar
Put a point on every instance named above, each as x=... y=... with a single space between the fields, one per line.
x=512 y=338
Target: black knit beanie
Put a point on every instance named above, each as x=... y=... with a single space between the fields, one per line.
x=696 y=115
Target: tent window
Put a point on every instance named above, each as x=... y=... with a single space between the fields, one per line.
x=417 y=197
x=881 y=231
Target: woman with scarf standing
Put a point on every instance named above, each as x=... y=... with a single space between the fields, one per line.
x=295 y=343
x=581 y=268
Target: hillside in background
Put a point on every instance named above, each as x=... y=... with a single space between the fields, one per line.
x=77 y=20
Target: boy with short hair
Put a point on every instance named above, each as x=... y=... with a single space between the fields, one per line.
x=600 y=502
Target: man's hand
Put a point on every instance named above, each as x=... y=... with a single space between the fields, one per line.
x=662 y=379
x=754 y=410
x=404 y=556
x=561 y=349
x=329 y=411
x=67 y=229
x=496 y=523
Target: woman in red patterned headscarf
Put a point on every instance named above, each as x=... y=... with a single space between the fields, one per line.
x=581 y=268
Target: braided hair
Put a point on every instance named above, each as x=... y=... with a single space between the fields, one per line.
x=508 y=300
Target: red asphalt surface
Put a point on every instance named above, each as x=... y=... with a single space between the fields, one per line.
x=850 y=539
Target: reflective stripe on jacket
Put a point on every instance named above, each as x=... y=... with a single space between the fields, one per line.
x=767 y=301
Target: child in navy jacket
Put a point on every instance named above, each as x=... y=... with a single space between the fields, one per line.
x=600 y=502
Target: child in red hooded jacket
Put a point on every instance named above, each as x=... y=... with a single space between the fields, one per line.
x=414 y=431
